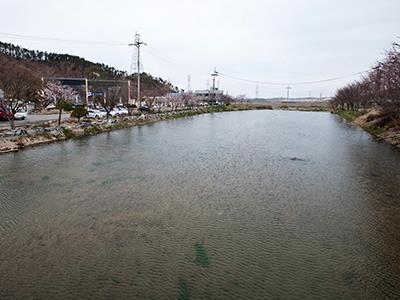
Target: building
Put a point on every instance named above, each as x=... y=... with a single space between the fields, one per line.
x=210 y=95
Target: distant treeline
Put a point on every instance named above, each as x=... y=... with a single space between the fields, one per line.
x=380 y=88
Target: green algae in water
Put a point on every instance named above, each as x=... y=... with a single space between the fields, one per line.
x=116 y=280
x=236 y=284
x=90 y=181
x=201 y=255
x=111 y=181
x=45 y=178
x=183 y=290
x=139 y=178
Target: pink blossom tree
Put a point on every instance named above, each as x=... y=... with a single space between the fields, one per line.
x=62 y=96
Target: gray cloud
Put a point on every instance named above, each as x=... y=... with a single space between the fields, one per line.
x=282 y=41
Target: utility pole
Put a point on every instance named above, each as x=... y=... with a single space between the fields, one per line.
x=214 y=75
x=288 y=93
x=86 y=92
x=257 y=87
x=129 y=92
x=189 y=87
x=137 y=44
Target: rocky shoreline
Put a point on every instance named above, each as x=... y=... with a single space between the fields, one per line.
x=49 y=132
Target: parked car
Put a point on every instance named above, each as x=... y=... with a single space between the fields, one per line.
x=21 y=114
x=143 y=108
x=4 y=113
x=119 y=111
x=51 y=106
x=96 y=113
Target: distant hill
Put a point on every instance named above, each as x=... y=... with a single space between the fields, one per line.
x=46 y=64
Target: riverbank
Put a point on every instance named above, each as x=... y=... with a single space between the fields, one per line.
x=49 y=132
x=380 y=125
x=311 y=106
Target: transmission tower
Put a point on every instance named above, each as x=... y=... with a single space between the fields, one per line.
x=137 y=44
x=288 y=88
x=214 y=75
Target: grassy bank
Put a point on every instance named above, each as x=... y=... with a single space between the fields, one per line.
x=381 y=125
x=312 y=106
x=349 y=115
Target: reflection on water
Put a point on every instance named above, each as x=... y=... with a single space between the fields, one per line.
x=244 y=205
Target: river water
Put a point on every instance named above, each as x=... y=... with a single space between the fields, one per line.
x=238 y=205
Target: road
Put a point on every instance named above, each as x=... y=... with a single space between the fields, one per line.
x=34 y=119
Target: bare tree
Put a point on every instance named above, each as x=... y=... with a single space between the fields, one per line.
x=160 y=102
x=227 y=99
x=381 y=87
x=386 y=80
x=175 y=100
x=19 y=87
x=109 y=99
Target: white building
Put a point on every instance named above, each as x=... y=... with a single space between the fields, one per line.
x=210 y=94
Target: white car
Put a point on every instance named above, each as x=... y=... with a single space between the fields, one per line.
x=119 y=111
x=96 y=113
x=21 y=114
x=51 y=106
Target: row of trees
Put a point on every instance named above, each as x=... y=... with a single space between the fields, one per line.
x=15 y=94
x=188 y=100
x=18 y=93
x=379 y=88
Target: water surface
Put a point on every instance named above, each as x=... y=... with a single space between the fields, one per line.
x=239 y=205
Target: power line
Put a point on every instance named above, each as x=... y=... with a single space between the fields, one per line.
x=49 y=39
x=292 y=83
x=152 y=52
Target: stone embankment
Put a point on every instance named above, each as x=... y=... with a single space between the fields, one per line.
x=32 y=135
x=48 y=132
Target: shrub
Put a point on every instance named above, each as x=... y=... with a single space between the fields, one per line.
x=92 y=130
x=79 y=112
x=68 y=133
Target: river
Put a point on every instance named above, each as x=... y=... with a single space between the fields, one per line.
x=236 y=205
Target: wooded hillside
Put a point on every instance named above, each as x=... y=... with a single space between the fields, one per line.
x=46 y=64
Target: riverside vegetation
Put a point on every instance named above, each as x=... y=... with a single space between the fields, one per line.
x=375 y=122
x=373 y=103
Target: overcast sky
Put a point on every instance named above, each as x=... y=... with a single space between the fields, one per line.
x=269 y=40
